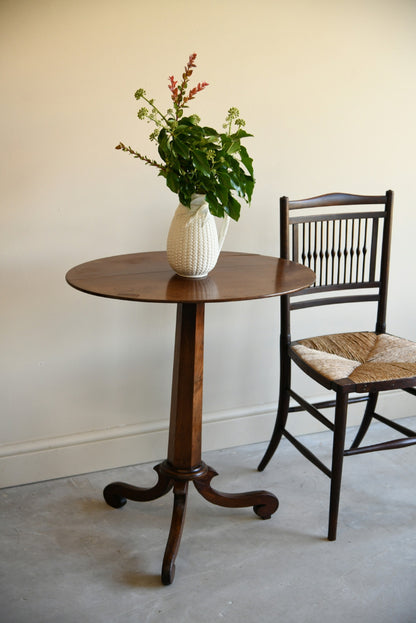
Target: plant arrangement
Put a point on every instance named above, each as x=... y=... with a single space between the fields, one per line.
x=196 y=158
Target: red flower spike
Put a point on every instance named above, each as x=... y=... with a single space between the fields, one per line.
x=192 y=57
x=188 y=67
x=199 y=87
x=173 y=88
x=178 y=91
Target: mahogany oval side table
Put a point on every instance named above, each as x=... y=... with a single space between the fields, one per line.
x=147 y=277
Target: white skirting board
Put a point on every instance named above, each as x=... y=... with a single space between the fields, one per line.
x=45 y=459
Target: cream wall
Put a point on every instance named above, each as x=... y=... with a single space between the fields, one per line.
x=327 y=87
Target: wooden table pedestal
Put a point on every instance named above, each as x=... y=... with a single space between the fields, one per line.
x=184 y=462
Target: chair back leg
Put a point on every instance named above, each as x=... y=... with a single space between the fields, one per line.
x=282 y=412
x=366 y=421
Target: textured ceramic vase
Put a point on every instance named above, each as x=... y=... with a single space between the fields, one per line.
x=193 y=244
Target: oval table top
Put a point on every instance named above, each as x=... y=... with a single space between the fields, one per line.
x=148 y=277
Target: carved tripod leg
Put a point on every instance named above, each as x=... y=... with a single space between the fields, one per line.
x=264 y=503
x=116 y=494
x=180 y=492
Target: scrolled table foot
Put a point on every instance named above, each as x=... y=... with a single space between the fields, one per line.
x=113 y=495
x=116 y=494
x=270 y=505
x=264 y=503
x=180 y=493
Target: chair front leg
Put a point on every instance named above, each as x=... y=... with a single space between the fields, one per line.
x=337 y=461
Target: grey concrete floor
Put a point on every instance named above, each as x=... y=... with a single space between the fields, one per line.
x=66 y=557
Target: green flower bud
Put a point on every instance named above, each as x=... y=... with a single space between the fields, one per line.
x=143 y=112
x=233 y=113
x=211 y=155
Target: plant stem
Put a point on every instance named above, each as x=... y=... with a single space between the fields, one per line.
x=136 y=154
x=155 y=108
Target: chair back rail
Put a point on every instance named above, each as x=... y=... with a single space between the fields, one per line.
x=348 y=249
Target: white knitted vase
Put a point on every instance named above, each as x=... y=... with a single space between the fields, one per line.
x=193 y=244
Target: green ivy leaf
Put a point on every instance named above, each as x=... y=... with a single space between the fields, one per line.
x=185 y=197
x=224 y=179
x=201 y=162
x=240 y=134
x=214 y=206
x=233 y=208
x=235 y=146
x=246 y=160
x=164 y=147
x=172 y=182
x=180 y=148
x=249 y=187
x=222 y=192
x=185 y=121
x=210 y=131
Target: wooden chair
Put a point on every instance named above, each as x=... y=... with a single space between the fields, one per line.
x=349 y=250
